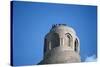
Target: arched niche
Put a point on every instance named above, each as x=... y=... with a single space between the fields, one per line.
x=52 y=42
x=55 y=40
x=45 y=45
x=76 y=44
x=69 y=39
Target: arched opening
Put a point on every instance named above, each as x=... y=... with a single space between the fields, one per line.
x=76 y=45
x=69 y=39
x=45 y=45
x=55 y=40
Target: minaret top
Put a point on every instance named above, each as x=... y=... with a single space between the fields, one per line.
x=62 y=27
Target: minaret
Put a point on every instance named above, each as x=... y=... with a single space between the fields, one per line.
x=61 y=45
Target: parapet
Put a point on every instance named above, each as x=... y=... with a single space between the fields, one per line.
x=56 y=25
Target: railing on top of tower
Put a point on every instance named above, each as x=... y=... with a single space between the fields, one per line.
x=55 y=25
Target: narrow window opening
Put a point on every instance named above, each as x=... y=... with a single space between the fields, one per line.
x=76 y=45
x=45 y=45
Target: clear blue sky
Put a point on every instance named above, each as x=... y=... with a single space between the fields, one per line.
x=32 y=21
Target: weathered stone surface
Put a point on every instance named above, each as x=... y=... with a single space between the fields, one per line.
x=61 y=45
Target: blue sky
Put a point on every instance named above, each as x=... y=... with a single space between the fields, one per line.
x=32 y=21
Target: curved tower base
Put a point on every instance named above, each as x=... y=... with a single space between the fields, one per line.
x=60 y=55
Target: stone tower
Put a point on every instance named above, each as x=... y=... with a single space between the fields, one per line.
x=61 y=45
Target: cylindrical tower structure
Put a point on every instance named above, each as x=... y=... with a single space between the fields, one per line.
x=61 y=45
